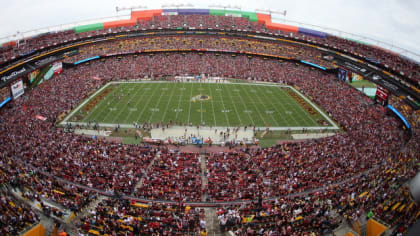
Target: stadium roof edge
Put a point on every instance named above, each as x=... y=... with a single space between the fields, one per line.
x=256 y=16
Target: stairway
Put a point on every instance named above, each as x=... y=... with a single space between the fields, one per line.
x=212 y=222
x=204 y=180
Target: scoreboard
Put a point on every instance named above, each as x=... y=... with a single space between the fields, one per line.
x=382 y=95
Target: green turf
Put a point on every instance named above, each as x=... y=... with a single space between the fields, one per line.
x=361 y=83
x=229 y=105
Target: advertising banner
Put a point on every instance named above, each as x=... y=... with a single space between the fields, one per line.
x=344 y=62
x=33 y=75
x=57 y=67
x=342 y=74
x=12 y=75
x=17 y=88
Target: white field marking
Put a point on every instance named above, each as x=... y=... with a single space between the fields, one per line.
x=90 y=114
x=158 y=101
x=219 y=90
x=179 y=101
x=273 y=105
x=289 y=112
x=316 y=108
x=225 y=111
x=189 y=108
x=256 y=109
x=169 y=101
x=284 y=108
x=242 y=100
x=268 y=84
x=247 y=111
x=154 y=109
x=164 y=89
x=177 y=110
x=236 y=90
x=132 y=109
x=120 y=104
x=224 y=108
x=121 y=112
x=269 y=112
x=269 y=91
x=147 y=88
x=112 y=109
x=234 y=106
x=300 y=108
x=82 y=104
x=212 y=105
x=253 y=91
x=146 y=105
x=201 y=107
x=264 y=105
x=258 y=127
x=141 y=98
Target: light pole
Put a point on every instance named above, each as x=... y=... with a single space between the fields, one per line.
x=177 y=6
x=269 y=11
x=118 y=9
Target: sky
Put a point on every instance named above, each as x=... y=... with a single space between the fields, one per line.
x=396 y=22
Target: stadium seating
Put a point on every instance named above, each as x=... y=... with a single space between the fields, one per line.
x=371 y=53
x=362 y=169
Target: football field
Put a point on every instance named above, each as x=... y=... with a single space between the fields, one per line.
x=204 y=104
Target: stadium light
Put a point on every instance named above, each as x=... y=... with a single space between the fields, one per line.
x=269 y=11
x=118 y=9
x=177 y=6
x=225 y=6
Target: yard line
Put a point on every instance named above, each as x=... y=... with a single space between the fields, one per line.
x=189 y=109
x=141 y=98
x=153 y=112
x=300 y=107
x=244 y=104
x=212 y=105
x=273 y=104
x=236 y=110
x=224 y=108
x=169 y=101
x=179 y=102
x=93 y=113
x=201 y=107
x=126 y=107
x=256 y=109
x=123 y=89
x=148 y=101
x=271 y=114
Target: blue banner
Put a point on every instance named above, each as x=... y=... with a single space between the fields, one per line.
x=400 y=116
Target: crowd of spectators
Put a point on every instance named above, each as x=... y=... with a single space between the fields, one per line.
x=174 y=177
x=374 y=54
x=412 y=115
x=380 y=194
x=370 y=138
x=225 y=43
x=116 y=216
x=15 y=216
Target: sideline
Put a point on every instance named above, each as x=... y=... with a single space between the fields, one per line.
x=333 y=127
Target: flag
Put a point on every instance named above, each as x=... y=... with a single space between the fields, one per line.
x=41 y=117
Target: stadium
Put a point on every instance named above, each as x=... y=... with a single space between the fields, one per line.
x=206 y=121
